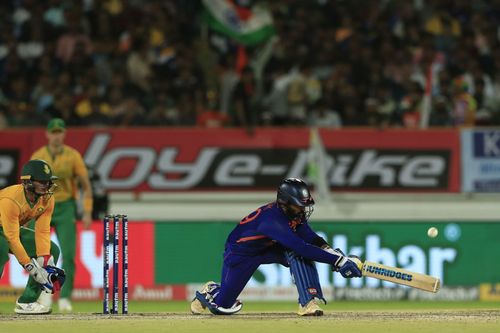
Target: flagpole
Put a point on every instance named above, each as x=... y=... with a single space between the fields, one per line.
x=317 y=167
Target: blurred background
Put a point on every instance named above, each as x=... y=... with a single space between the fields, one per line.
x=189 y=113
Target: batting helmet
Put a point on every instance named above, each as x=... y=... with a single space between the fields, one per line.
x=295 y=199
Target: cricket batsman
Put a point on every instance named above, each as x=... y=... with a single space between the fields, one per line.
x=276 y=233
x=19 y=204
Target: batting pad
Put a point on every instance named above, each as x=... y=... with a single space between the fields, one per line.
x=305 y=277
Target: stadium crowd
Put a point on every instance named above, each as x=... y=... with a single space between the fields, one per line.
x=330 y=64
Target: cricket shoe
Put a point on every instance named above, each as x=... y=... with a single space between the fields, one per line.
x=196 y=306
x=207 y=300
x=65 y=305
x=310 y=309
x=45 y=299
x=34 y=308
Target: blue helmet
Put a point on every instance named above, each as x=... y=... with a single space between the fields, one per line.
x=295 y=199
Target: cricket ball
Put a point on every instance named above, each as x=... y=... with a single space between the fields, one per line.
x=432 y=232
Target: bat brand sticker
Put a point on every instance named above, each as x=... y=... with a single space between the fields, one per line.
x=390 y=273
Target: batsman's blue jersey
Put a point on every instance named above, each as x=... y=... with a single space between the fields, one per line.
x=268 y=225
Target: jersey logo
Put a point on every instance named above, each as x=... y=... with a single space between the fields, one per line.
x=40 y=209
x=252 y=216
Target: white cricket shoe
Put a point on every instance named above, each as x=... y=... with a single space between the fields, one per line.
x=32 y=308
x=310 y=309
x=196 y=306
x=45 y=299
x=65 y=305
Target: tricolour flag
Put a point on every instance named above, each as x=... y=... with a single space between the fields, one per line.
x=247 y=26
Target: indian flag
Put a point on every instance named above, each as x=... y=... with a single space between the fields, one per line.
x=247 y=26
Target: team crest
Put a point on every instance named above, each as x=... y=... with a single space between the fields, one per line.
x=46 y=169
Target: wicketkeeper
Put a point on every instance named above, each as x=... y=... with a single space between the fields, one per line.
x=276 y=233
x=31 y=200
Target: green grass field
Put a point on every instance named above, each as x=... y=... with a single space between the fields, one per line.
x=373 y=317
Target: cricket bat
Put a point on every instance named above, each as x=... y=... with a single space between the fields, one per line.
x=401 y=276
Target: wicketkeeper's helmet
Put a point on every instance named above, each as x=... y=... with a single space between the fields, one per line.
x=38 y=170
x=294 y=192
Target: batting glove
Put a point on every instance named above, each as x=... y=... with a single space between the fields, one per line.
x=350 y=267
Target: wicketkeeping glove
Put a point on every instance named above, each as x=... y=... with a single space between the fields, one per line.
x=40 y=275
x=50 y=278
x=57 y=276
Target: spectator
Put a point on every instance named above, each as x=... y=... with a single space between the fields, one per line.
x=43 y=93
x=139 y=66
x=297 y=97
x=276 y=101
x=187 y=109
x=445 y=28
x=411 y=106
x=210 y=116
x=128 y=112
x=164 y=112
x=20 y=110
x=342 y=55
x=228 y=79
x=246 y=113
x=441 y=113
x=73 y=39
x=464 y=104
x=323 y=116
x=373 y=117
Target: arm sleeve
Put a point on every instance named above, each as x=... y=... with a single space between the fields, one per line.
x=286 y=237
x=10 y=223
x=42 y=230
